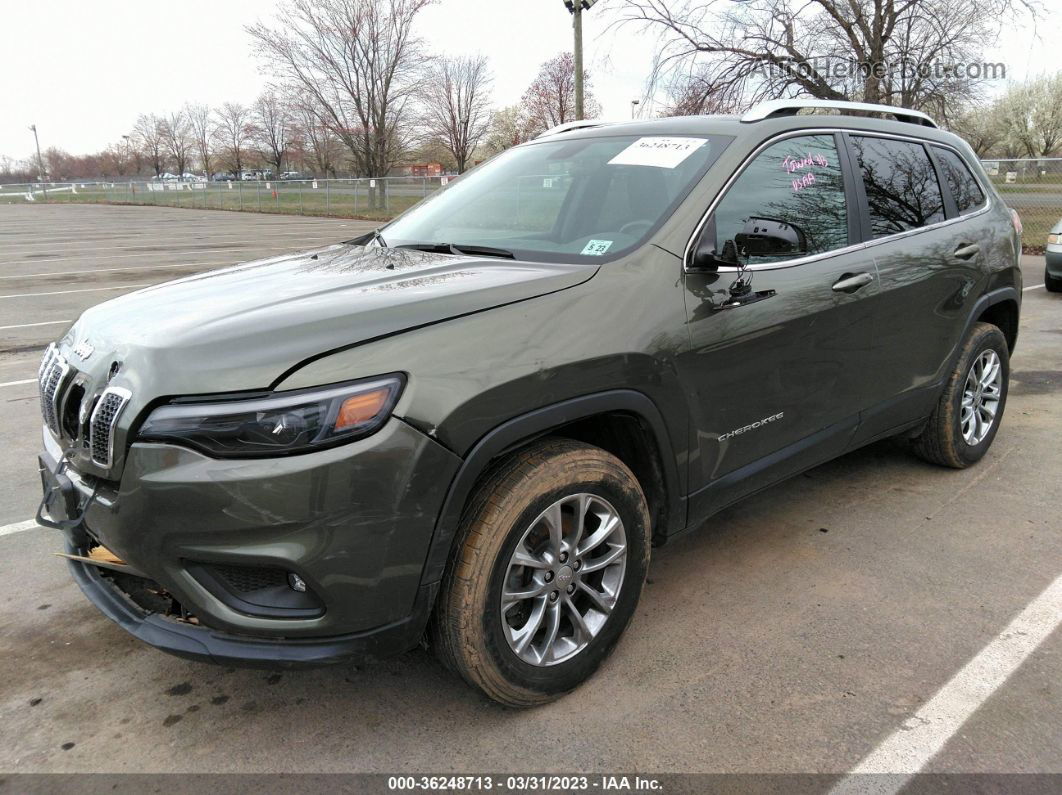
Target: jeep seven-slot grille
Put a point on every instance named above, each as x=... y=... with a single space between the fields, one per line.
x=51 y=377
x=101 y=425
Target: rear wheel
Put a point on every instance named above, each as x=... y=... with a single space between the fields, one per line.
x=1052 y=284
x=970 y=408
x=550 y=560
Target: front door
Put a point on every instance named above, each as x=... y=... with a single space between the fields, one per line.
x=777 y=380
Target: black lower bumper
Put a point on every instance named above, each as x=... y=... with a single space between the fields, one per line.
x=202 y=643
x=1054 y=263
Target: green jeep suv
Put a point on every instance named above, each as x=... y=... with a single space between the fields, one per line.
x=469 y=427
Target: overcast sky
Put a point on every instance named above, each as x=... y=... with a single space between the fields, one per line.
x=82 y=70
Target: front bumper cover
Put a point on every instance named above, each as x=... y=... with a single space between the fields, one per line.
x=205 y=644
x=354 y=522
x=1054 y=263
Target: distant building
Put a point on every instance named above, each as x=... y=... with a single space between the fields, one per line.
x=425 y=169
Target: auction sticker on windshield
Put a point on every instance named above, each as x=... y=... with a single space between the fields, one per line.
x=659 y=151
x=596 y=247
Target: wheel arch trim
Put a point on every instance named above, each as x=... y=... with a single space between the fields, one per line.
x=989 y=299
x=540 y=422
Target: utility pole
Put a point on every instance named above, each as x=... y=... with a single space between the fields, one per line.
x=576 y=8
x=40 y=162
x=577 y=23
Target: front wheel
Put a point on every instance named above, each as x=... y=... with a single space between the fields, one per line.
x=550 y=560
x=969 y=410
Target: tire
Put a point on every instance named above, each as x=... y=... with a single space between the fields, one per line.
x=948 y=441
x=1052 y=284
x=516 y=504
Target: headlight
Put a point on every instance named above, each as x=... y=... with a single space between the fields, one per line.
x=1054 y=240
x=277 y=423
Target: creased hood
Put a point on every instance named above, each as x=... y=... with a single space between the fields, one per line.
x=242 y=327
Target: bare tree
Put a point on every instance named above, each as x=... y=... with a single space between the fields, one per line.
x=320 y=147
x=457 y=105
x=204 y=133
x=909 y=52
x=114 y=161
x=550 y=99
x=177 y=137
x=273 y=129
x=1030 y=115
x=695 y=94
x=358 y=62
x=509 y=126
x=235 y=131
x=981 y=125
x=148 y=137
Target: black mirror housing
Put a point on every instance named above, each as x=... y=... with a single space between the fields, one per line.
x=769 y=237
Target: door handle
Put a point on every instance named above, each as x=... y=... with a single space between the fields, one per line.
x=849 y=283
x=967 y=252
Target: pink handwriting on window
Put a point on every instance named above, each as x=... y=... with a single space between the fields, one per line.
x=804 y=181
x=791 y=164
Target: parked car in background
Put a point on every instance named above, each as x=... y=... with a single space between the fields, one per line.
x=471 y=425
x=226 y=177
x=1053 y=270
x=294 y=175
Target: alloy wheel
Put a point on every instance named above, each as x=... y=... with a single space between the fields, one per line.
x=563 y=579
x=980 y=397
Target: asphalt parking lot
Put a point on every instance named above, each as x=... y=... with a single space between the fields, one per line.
x=796 y=633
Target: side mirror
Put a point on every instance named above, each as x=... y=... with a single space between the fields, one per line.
x=707 y=256
x=769 y=237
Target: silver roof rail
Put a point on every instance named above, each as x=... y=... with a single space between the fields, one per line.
x=789 y=107
x=573 y=125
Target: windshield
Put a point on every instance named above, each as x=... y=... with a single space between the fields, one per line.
x=592 y=198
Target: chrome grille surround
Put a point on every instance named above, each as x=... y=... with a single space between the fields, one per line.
x=52 y=378
x=101 y=424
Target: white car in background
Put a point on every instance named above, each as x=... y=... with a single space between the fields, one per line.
x=1053 y=270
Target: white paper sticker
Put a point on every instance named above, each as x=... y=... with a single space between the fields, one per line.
x=658 y=151
x=596 y=248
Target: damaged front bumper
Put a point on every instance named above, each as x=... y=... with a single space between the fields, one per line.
x=180 y=637
x=348 y=527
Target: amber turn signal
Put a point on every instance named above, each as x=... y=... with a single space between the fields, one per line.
x=360 y=409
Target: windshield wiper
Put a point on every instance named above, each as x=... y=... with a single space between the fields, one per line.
x=461 y=248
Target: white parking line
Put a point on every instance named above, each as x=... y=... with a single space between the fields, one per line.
x=106 y=270
x=43 y=323
x=906 y=751
x=67 y=292
x=153 y=248
x=1031 y=287
x=19 y=527
x=149 y=254
x=18 y=383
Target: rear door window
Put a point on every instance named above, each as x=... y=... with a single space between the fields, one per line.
x=901 y=185
x=964 y=188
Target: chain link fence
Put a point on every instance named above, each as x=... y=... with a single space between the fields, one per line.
x=380 y=199
x=1032 y=186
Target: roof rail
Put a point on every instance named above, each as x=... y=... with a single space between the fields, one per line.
x=573 y=125
x=789 y=107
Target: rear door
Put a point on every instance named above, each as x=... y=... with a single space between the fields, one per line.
x=777 y=384
x=929 y=257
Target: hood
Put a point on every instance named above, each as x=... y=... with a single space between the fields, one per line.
x=244 y=326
